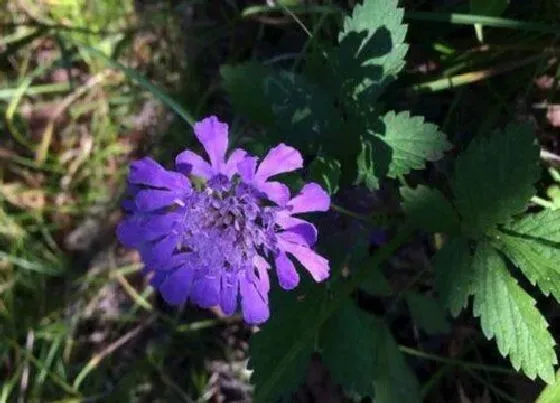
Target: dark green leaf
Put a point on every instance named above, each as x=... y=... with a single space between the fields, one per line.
x=245 y=84
x=454 y=277
x=494 y=178
x=348 y=349
x=489 y=7
x=427 y=313
x=394 y=381
x=508 y=313
x=325 y=170
x=429 y=209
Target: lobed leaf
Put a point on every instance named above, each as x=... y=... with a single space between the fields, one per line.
x=494 y=178
x=509 y=314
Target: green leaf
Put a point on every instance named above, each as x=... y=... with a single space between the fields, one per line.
x=348 y=349
x=429 y=209
x=280 y=351
x=454 y=277
x=412 y=142
x=393 y=380
x=376 y=283
x=532 y=245
x=551 y=394
x=508 y=313
x=304 y=114
x=362 y=356
x=325 y=170
x=371 y=48
x=245 y=86
x=489 y=7
x=427 y=313
x=494 y=178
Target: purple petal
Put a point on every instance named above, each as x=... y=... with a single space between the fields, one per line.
x=262 y=282
x=213 y=135
x=148 y=172
x=311 y=198
x=316 y=265
x=206 y=291
x=157 y=279
x=280 y=159
x=129 y=233
x=303 y=233
x=246 y=168
x=176 y=287
x=230 y=286
x=253 y=306
x=150 y=200
x=191 y=163
x=159 y=253
x=286 y=271
x=275 y=191
x=236 y=157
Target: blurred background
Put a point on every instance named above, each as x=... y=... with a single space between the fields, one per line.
x=77 y=320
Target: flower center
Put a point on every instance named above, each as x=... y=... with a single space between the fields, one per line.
x=227 y=225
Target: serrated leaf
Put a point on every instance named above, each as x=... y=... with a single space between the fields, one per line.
x=348 y=350
x=429 y=209
x=494 y=178
x=325 y=170
x=531 y=243
x=509 y=314
x=427 y=313
x=454 y=276
x=245 y=86
x=371 y=48
x=394 y=381
x=280 y=352
x=551 y=394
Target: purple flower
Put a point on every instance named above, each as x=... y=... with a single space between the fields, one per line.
x=213 y=240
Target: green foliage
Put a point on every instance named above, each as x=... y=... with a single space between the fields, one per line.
x=509 y=314
x=376 y=283
x=400 y=144
x=488 y=7
x=453 y=271
x=348 y=348
x=429 y=209
x=427 y=313
x=304 y=113
x=245 y=84
x=394 y=381
x=371 y=49
x=280 y=352
x=494 y=178
x=551 y=394
x=325 y=170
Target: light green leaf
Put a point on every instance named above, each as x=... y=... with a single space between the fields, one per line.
x=245 y=86
x=393 y=381
x=371 y=48
x=551 y=394
x=348 y=349
x=429 y=209
x=494 y=178
x=427 y=313
x=454 y=277
x=412 y=142
x=508 y=313
x=532 y=244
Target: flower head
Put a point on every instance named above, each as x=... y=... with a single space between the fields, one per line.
x=214 y=244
